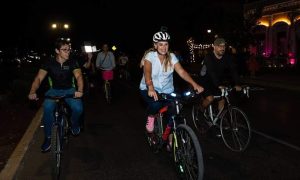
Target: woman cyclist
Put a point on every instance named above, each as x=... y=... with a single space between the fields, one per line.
x=159 y=64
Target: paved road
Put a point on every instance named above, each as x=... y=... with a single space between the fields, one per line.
x=113 y=147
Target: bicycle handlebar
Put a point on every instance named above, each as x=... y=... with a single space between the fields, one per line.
x=60 y=97
x=176 y=95
x=226 y=90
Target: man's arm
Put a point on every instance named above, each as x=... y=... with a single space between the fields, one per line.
x=36 y=84
x=78 y=76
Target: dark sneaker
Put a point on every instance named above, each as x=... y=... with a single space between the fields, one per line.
x=75 y=131
x=46 y=145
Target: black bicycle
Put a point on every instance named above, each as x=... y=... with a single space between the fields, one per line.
x=60 y=132
x=232 y=122
x=185 y=148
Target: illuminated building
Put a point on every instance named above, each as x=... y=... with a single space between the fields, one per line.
x=276 y=27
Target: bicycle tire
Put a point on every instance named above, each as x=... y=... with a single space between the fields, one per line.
x=199 y=121
x=154 y=138
x=187 y=153
x=66 y=130
x=56 y=151
x=107 y=92
x=235 y=129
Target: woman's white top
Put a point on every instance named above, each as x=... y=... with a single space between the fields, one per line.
x=162 y=80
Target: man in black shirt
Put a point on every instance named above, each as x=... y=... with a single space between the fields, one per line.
x=61 y=72
x=213 y=72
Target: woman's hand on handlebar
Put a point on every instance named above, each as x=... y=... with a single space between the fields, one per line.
x=152 y=93
x=78 y=94
x=33 y=96
x=198 y=88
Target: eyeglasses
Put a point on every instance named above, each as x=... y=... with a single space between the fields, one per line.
x=65 y=50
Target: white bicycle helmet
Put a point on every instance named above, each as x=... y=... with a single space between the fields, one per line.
x=161 y=36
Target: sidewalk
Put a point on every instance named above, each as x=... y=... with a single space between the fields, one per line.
x=276 y=80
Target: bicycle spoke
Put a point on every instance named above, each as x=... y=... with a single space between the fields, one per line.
x=235 y=129
x=186 y=153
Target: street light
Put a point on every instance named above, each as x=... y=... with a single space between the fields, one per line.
x=60 y=29
x=66 y=26
x=54 y=26
x=60 y=26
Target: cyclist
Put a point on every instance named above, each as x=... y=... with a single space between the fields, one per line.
x=123 y=65
x=159 y=64
x=105 y=61
x=213 y=72
x=61 y=72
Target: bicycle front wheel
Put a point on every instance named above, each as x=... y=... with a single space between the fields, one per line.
x=235 y=129
x=187 y=153
x=56 y=151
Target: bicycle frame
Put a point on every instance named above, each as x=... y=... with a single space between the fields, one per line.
x=224 y=95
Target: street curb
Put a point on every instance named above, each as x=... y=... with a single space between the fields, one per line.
x=16 y=157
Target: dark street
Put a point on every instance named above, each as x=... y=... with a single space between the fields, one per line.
x=113 y=145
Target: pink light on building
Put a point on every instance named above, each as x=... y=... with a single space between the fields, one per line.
x=267 y=52
x=292 y=61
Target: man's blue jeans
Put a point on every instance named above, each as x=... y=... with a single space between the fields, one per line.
x=49 y=106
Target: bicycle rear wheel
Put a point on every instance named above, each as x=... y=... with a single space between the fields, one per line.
x=107 y=91
x=187 y=153
x=154 y=138
x=235 y=129
x=56 y=151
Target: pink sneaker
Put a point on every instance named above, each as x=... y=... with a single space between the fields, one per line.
x=150 y=124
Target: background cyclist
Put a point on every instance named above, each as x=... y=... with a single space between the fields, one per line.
x=158 y=65
x=216 y=64
x=61 y=72
x=106 y=62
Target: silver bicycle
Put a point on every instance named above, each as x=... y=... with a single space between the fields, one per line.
x=232 y=122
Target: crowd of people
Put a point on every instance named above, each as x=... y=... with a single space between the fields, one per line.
x=68 y=74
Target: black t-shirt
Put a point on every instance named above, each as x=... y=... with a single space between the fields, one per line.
x=215 y=70
x=60 y=76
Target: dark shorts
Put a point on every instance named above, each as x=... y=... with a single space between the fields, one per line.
x=209 y=88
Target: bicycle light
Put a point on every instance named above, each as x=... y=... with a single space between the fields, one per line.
x=188 y=93
x=173 y=94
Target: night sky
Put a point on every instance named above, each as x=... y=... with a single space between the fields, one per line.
x=126 y=23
